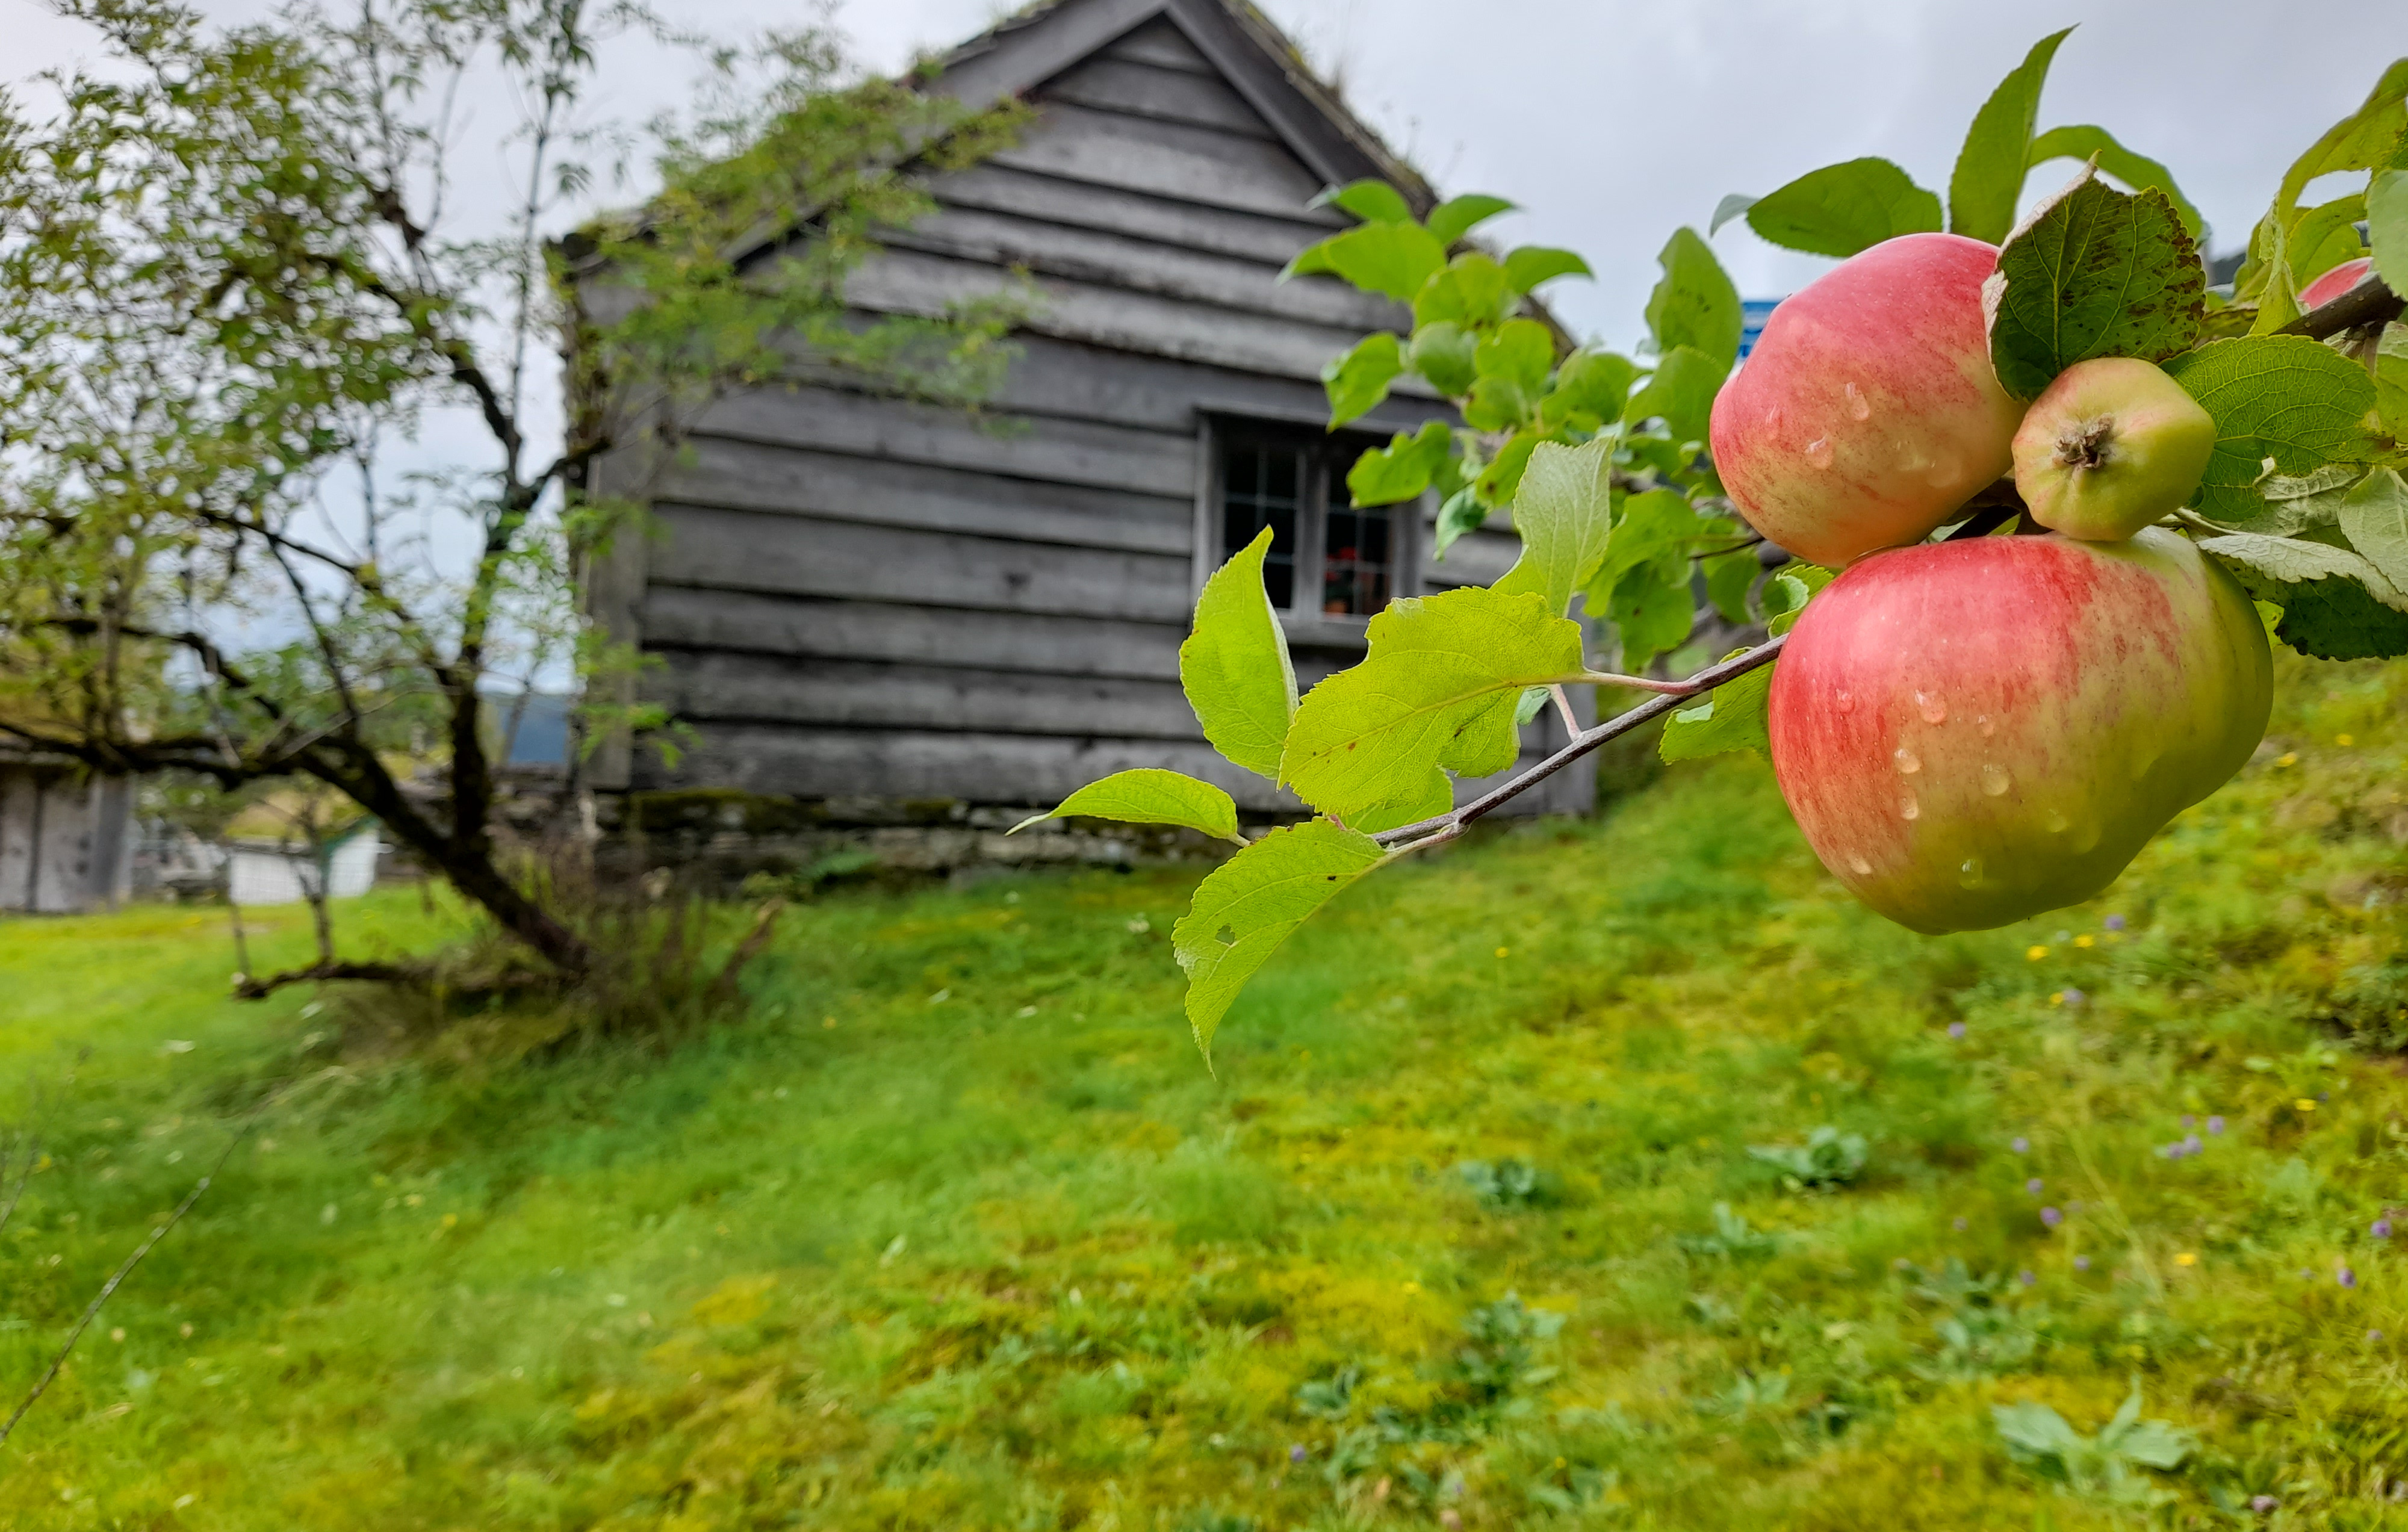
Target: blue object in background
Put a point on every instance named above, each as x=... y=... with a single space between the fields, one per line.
x=1752 y=313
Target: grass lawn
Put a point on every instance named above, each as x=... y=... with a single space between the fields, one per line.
x=955 y=1231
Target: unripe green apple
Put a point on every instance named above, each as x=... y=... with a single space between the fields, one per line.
x=1867 y=413
x=1970 y=733
x=2333 y=283
x=2111 y=445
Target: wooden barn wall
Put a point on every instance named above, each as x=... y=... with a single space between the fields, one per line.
x=853 y=595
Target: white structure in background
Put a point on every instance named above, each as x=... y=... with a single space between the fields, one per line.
x=281 y=872
x=66 y=842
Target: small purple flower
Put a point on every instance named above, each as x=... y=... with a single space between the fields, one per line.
x=1296 y=1453
x=2191 y=1145
x=2051 y=1217
x=2075 y=997
x=2216 y=1124
x=2082 y=1263
x=1956 y=1029
x=2345 y=1277
x=2379 y=1228
x=2114 y=922
x=2263 y=1503
x=2019 y=1143
x=2373 y=1336
x=2026 y=1277
x=2033 y=1185
x=2188 y=1121
x=1959 y=1225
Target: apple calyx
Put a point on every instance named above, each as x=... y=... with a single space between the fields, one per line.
x=2087 y=444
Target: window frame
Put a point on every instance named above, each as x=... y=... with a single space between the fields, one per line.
x=1327 y=456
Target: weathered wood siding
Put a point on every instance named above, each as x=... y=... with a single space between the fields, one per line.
x=857 y=597
x=65 y=845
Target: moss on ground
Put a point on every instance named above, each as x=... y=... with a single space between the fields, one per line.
x=955 y=1231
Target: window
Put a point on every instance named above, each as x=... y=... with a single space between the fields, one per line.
x=1329 y=556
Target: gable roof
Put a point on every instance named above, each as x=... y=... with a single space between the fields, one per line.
x=1019 y=54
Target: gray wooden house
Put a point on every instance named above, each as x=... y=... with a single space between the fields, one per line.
x=67 y=842
x=859 y=601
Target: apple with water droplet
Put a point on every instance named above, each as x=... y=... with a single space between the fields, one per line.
x=2333 y=283
x=1970 y=733
x=1867 y=413
x=2111 y=445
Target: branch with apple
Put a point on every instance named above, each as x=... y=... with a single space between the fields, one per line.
x=2019 y=504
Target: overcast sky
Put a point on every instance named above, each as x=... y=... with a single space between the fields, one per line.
x=1611 y=121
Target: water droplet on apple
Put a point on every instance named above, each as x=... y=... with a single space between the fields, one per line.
x=1818 y=452
x=1845 y=700
x=1858 y=866
x=1772 y=418
x=1935 y=706
x=1908 y=808
x=1995 y=780
x=1908 y=762
x=1969 y=872
x=2057 y=823
x=1943 y=471
x=1987 y=724
x=1859 y=406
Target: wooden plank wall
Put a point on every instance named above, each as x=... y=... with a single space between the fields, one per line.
x=63 y=840
x=860 y=596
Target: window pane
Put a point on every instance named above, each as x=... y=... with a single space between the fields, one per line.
x=1358 y=560
x=1258 y=490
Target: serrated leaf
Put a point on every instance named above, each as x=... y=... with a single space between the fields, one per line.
x=1393 y=260
x=1455 y=217
x=1248 y=907
x=1680 y=393
x=1528 y=265
x=1372 y=201
x=1445 y=353
x=1564 y=510
x=1359 y=380
x=2093 y=272
x=1844 y=208
x=1597 y=383
x=2292 y=505
x=1988 y=180
x=2266 y=566
x=2283 y=397
x=1730 y=576
x=1471 y=291
x=1462 y=513
x=1730 y=207
x=1695 y=304
x=1520 y=351
x=1149 y=796
x=2336 y=605
x=2386 y=227
x=2374 y=516
x=1652 y=611
x=1401 y=469
x=2137 y=171
x=1235 y=667
x=1651 y=527
x=1731 y=718
x=1436 y=691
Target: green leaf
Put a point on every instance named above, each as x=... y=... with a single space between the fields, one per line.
x=1455 y=217
x=1445 y=353
x=1502 y=477
x=2336 y=606
x=2283 y=397
x=1728 y=578
x=2093 y=272
x=1681 y=393
x=1596 y=382
x=1252 y=903
x=1695 y=304
x=1988 y=180
x=1731 y=718
x=1495 y=404
x=1436 y=692
x=1401 y=469
x=2391 y=381
x=1235 y=665
x=1372 y=201
x=1527 y=265
x=1358 y=380
x=1652 y=610
x=1311 y=261
x=1149 y=796
x=2386 y=227
x=2368 y=138
x=1564 y=510
x=2324 y=238
x=1844 y=208
x=1730 y=207
x=1520 y=351
x=1785 y=593
x=2374 y=518
x=1393 y=258
x=1471 y=291
x=2137 y=171
x=1461 y=514
x=1651 y=526
x=1534 y=702
x=2264 y=566
x=2293 y=505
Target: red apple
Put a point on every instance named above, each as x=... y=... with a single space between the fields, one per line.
x=2333 y=283
x=1970 y=733
x=1867 y=413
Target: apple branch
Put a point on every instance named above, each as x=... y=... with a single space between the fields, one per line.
x=2368 y=304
